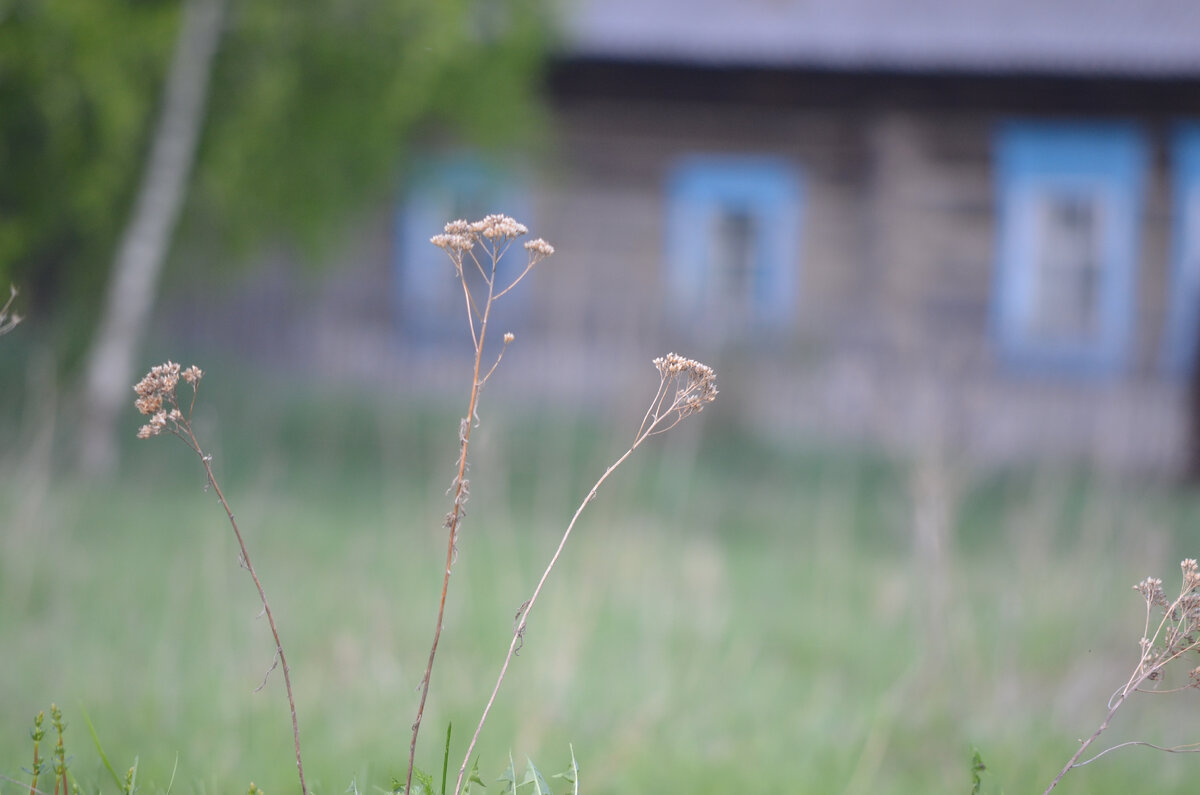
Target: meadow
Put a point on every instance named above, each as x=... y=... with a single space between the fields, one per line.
x=733 y=614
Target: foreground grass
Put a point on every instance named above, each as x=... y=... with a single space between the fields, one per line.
x=730 y=618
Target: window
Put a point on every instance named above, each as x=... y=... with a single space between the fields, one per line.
x=1069 y=197
x=428 y=294
x=732 y=227
x=1183 y=301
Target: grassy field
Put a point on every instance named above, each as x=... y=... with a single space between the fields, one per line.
x=730 y=617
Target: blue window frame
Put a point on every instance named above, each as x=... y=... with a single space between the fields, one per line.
x=732 y=229
x=429 y=297
x=1183 y=298
x=1070 y=203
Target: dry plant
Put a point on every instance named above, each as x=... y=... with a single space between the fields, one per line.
x=1174 y=635
x=158 y=399
x=494 y=235
x=685 y=387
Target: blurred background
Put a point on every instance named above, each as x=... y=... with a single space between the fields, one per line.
x=944 y=257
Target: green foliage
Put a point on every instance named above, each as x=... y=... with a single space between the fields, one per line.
x=313 y=107
x=472 y=779
x=78 y=86
x=533 y=778
x=314 y=103
x=571 y=774
x=446 y=756
x=99 y=749
x=977 y=768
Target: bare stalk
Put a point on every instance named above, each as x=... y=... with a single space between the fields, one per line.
x=157 y=398
x=686 y=386
x=494 y=234
x=452 y=523
x=1083 y=746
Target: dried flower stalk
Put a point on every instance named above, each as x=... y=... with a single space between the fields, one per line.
x=1177 y=633
x=157 y=398
x=685 y=387
x=461 y=240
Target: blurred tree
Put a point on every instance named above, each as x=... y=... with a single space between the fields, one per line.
x=144 y=242
x=310 y=107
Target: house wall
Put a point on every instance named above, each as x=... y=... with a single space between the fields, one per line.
x=893 y=339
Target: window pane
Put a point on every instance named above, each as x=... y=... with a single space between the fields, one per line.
x=732 y=264
x=1066 y=287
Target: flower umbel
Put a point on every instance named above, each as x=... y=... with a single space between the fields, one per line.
x=157 y=399
x=687 y=386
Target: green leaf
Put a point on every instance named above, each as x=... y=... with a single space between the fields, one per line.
x=509 y=777
x=174 y=770
x=446 y=756
x=571 y=774
x=96 y=740
x=977 y=767
x=534 y=776
x=473 y=778
x=422 y=783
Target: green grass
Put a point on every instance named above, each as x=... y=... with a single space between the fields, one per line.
x=731 y=616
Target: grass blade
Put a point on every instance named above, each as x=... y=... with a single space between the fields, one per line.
x=446 y=757
x=99 y=750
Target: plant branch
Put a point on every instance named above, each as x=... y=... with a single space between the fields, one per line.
x=280 y=658
x=695 y=387
x=460 y=494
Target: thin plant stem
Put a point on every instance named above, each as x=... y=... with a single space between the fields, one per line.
x=695 y=387
x=158 y=399
x=1083 y=746
x=452 y=521
x=262 y=595
x=523 y=614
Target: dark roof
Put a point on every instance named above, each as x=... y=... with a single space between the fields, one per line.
x=1094 y=37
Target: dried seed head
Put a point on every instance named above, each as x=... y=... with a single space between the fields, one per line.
x=539 y=247
x=1191 y=574
x=498 y=227
x=156 y=396
x=1152 y=591
x=453 y=243
x=696 y=383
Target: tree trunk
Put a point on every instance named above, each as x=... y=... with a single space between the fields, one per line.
x=144 y=243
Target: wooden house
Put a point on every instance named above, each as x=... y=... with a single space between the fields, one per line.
x=953 y=222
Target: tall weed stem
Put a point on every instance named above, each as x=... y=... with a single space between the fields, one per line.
x=684 y=388
x=157 y=399
x=494 y=234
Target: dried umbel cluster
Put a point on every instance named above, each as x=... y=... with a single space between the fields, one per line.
x=695 y=383
x=156 y=397
x=499 y=230
x=1178 y=632
x=685 y=388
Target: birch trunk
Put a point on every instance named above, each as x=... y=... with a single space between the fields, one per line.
x=144 y=243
